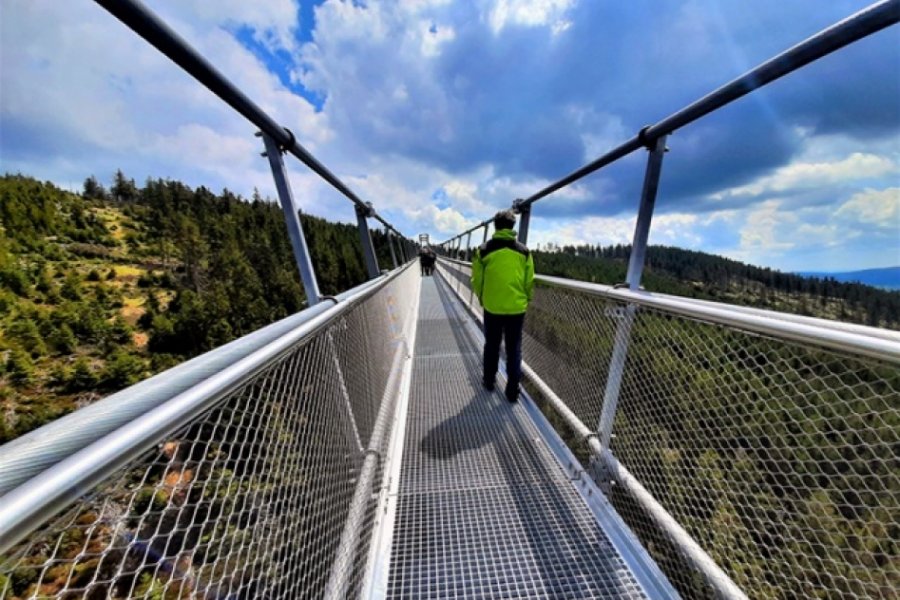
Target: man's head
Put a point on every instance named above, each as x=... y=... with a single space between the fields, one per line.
x=505 y=219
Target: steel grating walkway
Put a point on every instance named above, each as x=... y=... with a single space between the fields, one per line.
x=483 y=508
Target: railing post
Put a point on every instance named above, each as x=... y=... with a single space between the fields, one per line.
x=484 y=240
x=469 y=248
x=363 y=213
x=292 y=219
x=403 y=255
x=645 y=214
x=635 y=268
x=388 y=235
x=524 y=211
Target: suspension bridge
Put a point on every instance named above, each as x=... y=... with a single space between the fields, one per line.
x=663 y=447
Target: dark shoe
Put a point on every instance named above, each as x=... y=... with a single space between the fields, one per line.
x=512 y=395
x=488 y=386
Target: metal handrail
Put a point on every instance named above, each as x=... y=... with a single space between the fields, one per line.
x=28 y=505
x=150 y=27
x=38 y=450
x=712 y=573
x=856 y=343
x=855 y=27
x=857 y=339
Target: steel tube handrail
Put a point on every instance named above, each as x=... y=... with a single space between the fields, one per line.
x=855 y=339
x=339 y=577
x=837 y=339
x=33 y=502
x=469 y=230
x=855 y=27
x=28 y=455
x=886 y=334
x=864 y=330
x=714 y=576
x=150 y=27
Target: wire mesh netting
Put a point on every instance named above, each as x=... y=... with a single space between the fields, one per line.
x=484 y=510
x=780 y=459
x=250 y=499
x=768 y=453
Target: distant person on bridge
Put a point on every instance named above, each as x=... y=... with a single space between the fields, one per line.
x=427 y=258
x=503 y=280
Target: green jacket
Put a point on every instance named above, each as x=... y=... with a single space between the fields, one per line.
x=503 y=274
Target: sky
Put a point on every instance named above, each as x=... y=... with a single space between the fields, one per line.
x=440 y=113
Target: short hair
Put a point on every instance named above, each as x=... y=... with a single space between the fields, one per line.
x=505 y=219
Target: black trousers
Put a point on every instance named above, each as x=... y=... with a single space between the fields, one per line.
x=508 y=328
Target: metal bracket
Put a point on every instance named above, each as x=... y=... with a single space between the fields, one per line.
x=519 y=207
x=643 y=139
x=292 y=141
x=367 y=210
x=601 y=475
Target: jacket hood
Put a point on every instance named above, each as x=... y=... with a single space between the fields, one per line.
x=504 y=234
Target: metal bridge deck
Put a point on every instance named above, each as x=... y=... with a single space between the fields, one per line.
x=484 y=509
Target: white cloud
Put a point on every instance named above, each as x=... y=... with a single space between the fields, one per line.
x=433 y=40
x=447 y=221
x=274 y=21
x=119 y=102
x=234 y=159
x=463 y=195
x=667 y=229
x=761 y=227
x=806 y=175
x=530 y=13
x=590 y=230
x=878 y=207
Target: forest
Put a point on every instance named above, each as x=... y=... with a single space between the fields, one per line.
x=693 y=274
x=103 y=288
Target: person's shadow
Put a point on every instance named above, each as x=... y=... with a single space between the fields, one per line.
x=464 y=430
x=460 y=432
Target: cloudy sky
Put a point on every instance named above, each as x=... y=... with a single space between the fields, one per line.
x=441 y=112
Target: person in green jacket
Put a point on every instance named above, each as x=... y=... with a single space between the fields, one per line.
x=503 y=280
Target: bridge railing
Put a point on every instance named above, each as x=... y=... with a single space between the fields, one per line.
x=255 y=481
x=767 y=444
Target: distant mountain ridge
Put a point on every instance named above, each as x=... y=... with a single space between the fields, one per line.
x=887 y=277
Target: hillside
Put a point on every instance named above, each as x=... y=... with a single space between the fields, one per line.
x=699 y=275
x=101 y=289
